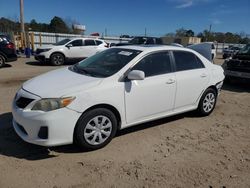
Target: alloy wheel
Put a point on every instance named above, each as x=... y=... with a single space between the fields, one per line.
x=209 y=102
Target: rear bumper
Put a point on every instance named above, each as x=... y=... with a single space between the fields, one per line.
x=237 y=74
x=11 y=58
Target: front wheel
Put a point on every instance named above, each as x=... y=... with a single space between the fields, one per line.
x=2 y=61
x=57 y=59
x=95 y=129
x=207 y=102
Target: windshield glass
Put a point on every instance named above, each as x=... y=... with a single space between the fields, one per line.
x=62 y=42
x=106 y=63
x=245 y=50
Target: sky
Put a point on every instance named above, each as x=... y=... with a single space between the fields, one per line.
x=133 y=16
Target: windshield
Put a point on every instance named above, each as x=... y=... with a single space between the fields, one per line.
x=106 y=63
x=62 y=42
x=245 y=50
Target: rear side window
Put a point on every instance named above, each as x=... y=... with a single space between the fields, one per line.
x=98 y=42
x=155 y=64
x=187 y=61
x=89 y=43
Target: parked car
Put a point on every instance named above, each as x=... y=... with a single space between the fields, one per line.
x=239 y=65
x=120 y=87
x=70 y=50
x=7 y=51
x=213 y=49
x=141 y=40
x=229 y=52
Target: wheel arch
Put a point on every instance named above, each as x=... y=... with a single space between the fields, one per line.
x=214 y=88
x=57 y=52
x=106 y=106
x=4 y=56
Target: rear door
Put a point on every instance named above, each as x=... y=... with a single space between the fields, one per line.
x=191 y=77
x=89 y=48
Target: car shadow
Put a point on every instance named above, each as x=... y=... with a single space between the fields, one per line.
x=6 y=66
x=38 y=63
x=12 y=145
x=237 y=85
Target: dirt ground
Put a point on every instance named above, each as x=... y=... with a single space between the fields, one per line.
x=181 y=151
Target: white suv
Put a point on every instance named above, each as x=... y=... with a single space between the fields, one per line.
x=70 y=50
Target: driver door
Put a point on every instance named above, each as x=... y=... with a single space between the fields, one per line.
x=155 y=95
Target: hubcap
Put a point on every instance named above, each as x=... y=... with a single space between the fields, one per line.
x=209 y=102
x=58 y=59
x=98 y=130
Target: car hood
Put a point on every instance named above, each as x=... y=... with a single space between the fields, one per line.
x=59 y=83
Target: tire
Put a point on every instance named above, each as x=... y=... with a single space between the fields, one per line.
x=95 y=129
x=57 y=59
x=2 y=61
x=207 y=102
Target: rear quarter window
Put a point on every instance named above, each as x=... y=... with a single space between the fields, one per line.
x=187 y=61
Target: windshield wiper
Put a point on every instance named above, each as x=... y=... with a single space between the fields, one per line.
x=83 y=71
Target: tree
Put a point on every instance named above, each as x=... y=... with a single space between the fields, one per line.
x=57 y=25
x=189 y=33
x=180 y=32
x=34 y=25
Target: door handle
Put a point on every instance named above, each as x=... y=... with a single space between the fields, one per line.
x=170 y=81
x=203 y=75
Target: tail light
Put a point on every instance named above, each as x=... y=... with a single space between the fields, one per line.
x=10 y=46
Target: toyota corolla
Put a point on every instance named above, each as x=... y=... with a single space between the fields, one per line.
x=87 y=103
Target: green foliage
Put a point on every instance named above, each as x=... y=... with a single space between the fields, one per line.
x=184 y=32
x=57 y=25
x=220 y=37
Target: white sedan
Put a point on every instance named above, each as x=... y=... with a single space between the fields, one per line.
x=120 y=87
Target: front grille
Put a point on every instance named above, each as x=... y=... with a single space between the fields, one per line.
x=238 y=65
x=22 y=102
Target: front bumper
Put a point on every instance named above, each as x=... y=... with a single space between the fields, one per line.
x=45 y=128
x=41 y=58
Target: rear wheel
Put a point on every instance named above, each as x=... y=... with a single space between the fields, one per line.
x=57 y=59
x=95 y=129
x=2 y=61
x=207 y=102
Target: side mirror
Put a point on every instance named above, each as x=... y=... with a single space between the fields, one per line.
x=69 y=45
x=136 y=75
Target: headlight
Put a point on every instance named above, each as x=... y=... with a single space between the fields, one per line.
x=52 y=104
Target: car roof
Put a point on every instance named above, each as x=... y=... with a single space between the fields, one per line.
x=146 y=48
x=85 y=38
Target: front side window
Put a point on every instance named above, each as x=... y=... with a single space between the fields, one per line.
x=76 y=43
x=155 y=64
x=186 y=61
x=105 y=63
x=62 y=42
x=89 y=43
